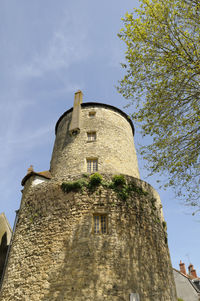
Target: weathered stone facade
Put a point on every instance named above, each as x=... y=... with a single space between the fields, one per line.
x=114 y=145
x=56 y=254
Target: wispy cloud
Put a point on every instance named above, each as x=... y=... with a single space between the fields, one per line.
x=30 y=138
x=15 y=136
x=65 y=47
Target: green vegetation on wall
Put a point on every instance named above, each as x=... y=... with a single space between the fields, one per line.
x=118 y=184
x=121 y=187
x=73 y=186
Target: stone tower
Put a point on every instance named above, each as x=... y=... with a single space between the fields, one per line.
x=89 y=229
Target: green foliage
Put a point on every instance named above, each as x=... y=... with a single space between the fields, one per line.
x=85 y=175
x=118 y=184
x=137 y=189
x=95 y=180
x=123 y=193
x=73 y=186
x=119 y=180
x=179 y=299
x=164 y=224
x=124 y=190
x=166 y=238
x=162 y=81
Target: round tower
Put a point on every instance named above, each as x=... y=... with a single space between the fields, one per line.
x=105 y=136
x=90 y=229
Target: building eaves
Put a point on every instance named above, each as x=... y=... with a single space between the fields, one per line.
x=189 y=279
x=45 y=174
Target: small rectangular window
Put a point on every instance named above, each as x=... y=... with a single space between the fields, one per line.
x=100 y=224
x=92 y=165
x=91 y=136
x=92 y=114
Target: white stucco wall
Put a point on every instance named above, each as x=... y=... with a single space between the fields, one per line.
x=38 y=180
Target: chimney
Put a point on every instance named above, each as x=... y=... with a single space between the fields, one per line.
x=30 y=169
x=182 y=268
x=74 y=127
x=192 y=271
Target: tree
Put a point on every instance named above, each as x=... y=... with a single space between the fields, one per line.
x=163 y=81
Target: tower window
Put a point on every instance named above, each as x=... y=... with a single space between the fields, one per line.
x=100 y=224
x=91 y=136
x=92 y=165
x=92 y=113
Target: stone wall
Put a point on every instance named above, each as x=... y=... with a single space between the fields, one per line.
x=56 y=255
x=114 y=146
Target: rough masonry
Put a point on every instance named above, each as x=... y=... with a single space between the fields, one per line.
x=104 y=242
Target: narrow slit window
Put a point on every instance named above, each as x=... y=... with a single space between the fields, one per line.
x=91 y=136
x=100 y=224
x=92 y=165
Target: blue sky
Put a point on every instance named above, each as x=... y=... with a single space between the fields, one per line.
x=49 y=49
